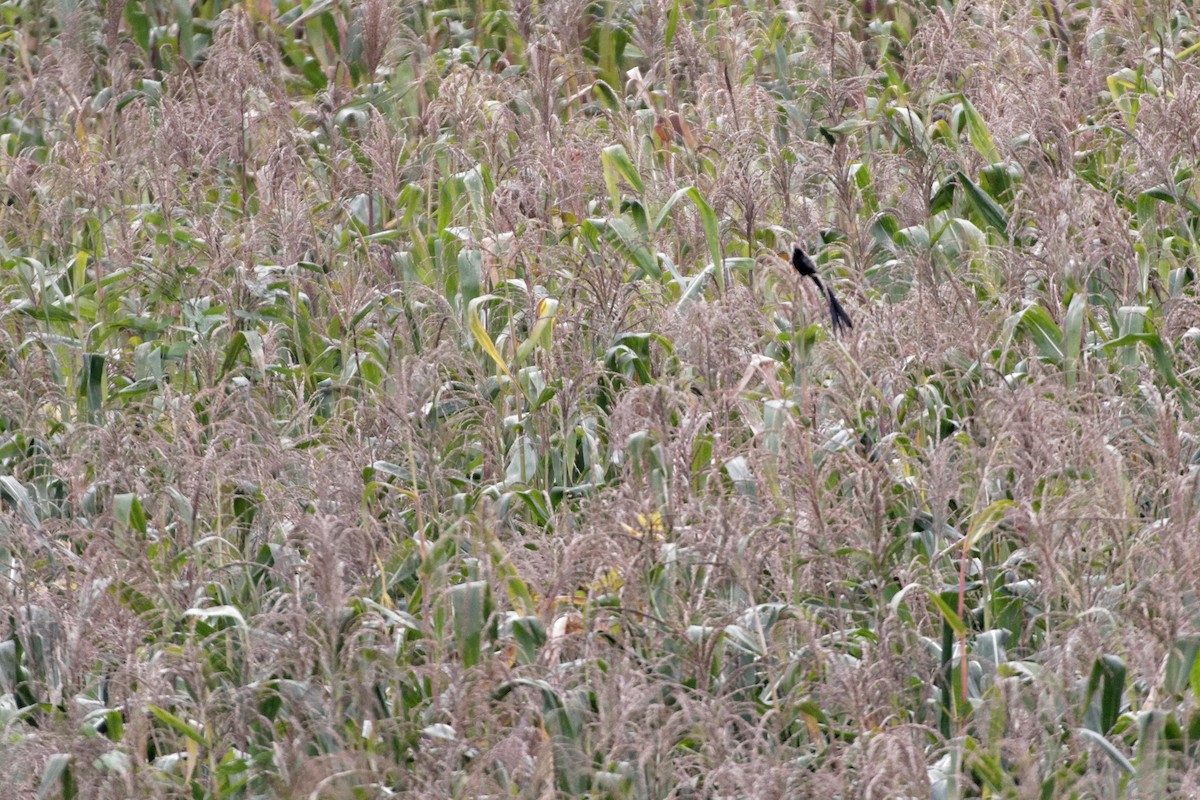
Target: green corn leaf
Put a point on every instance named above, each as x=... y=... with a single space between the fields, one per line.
x=712 y=230
x=1108 y=675
x=860 y=176
x=1109 y=749
x=1181 y=663
x=522 y=461
x=607 y=95
x=948 y=614
x=986 y=521
x=530 y=635
x=1162 y=356
x=998 y=180
x=695 y=287
x=1148 y=228
x=474 y=184
x=177 y=724
x=139 y=25
x=516 y=588
x=1036 y=323
x=672 y=24
x=13 y=491
x=447 y=193
x=708 y=219
x=910 y=127
x=1130 y=320
x=90 y=387
x=943 y=197
x=470 y=275
x=978 y=133
x=183 y=18
x=623 y=236
x=663 y=212
x=1073 y=330
x=129 y=512
x=616 y=162
x=48 y=312
x=1123 y=87
x=471 y=603
x=968 y=234
x=991 y=212
x=57 y=775
x=237 y=344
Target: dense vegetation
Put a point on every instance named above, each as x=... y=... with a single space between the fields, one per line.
x=405 y=399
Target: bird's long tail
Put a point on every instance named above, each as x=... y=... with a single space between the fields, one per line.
x=806 y=268
x=841 y=320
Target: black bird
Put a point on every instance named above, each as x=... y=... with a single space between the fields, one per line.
x=806 y=268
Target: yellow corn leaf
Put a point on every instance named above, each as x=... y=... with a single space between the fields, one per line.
x=475 y=325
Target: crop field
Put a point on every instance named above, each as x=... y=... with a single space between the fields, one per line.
x=408 y=398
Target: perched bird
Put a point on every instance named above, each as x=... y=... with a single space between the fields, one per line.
x=806 y=268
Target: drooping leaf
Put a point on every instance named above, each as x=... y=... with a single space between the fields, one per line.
x=1036 y=323
x=177 y=724
x=950 y=616
x=616 y=163
x=977 y=132
x=475 y=325
x=988 y=209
